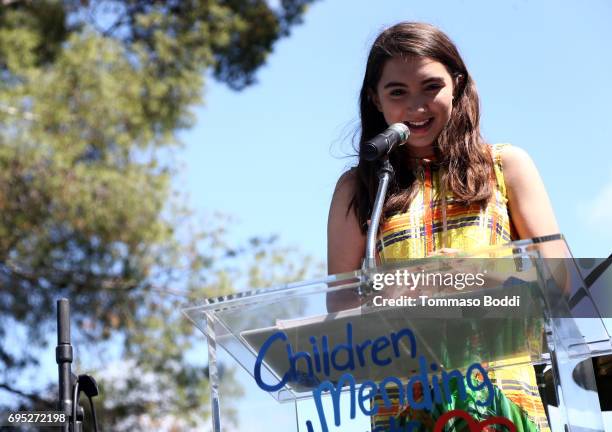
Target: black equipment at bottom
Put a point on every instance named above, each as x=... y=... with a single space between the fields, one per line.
x=71 y=386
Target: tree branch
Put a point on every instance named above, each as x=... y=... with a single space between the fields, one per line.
x=30 y=396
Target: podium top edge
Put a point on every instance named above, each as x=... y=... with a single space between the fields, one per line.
x=518 y=248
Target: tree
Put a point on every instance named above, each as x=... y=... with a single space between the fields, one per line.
x=91 y=93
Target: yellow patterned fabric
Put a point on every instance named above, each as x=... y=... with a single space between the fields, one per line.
x=421 y=231
x=436 y=220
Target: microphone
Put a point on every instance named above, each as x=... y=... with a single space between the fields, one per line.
x=384 y=143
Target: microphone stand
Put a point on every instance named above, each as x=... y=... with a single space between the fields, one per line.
x=71 y=386
x=385 y=174
x=63 y=357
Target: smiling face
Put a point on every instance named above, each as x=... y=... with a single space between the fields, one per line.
x=417 y=91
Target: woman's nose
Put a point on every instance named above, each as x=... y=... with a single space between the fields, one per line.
x=417 y=105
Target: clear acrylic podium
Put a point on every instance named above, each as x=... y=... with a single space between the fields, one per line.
x=518 y=307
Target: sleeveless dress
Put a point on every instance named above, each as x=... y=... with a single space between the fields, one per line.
x=433 y=221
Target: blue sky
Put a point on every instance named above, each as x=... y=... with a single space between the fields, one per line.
x=270 y=155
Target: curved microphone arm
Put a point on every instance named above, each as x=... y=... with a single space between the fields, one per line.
x=385 y=174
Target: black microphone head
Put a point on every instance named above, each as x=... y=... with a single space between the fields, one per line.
x=384 y=143
x=369 y=151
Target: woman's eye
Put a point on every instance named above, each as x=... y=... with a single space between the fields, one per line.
x=433 y=87
x=397 y=92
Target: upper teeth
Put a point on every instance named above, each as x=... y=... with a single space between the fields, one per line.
x=419 y=123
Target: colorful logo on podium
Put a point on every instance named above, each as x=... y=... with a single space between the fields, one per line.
x=486 y=425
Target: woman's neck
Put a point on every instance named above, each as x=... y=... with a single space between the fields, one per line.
x=421 y=152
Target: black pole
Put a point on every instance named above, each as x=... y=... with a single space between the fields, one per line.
x=63 y=357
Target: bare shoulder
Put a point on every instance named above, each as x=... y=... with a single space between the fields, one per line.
x=529 y=205
x=345 y=241
x=517 y=165
x=347 y=182
x=512 y=154
x=345 y=190
x=344 y=193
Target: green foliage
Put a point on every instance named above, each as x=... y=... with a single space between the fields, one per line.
x=91 y=93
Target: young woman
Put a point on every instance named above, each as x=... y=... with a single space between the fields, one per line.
x=451 y=191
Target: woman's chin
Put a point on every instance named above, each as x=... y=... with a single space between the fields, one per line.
x=420 y=148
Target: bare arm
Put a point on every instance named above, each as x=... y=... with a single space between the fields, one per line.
x=530 y=208
x=345 y=241
x=528 y=202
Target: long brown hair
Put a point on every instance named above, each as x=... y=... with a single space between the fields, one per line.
x=461 y=152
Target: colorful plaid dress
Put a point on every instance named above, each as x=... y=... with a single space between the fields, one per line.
x=433 y=222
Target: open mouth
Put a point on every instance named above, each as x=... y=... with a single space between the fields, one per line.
x=419 y=126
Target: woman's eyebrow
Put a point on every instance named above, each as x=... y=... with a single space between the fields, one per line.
x=432 y=79
x=394 y=84
x=425 y=81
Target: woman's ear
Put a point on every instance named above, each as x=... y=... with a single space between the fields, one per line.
x=373 y=97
